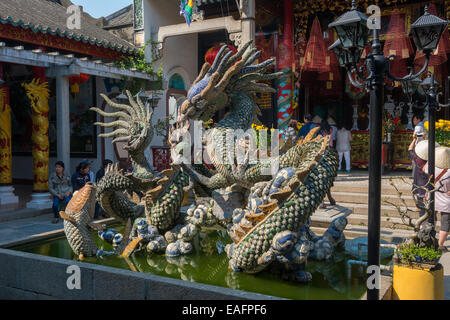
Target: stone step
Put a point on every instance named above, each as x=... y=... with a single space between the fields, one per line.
x=393 y=223
x=351 y=232
x=363 y=198
x=386 y=210
x=349 y=187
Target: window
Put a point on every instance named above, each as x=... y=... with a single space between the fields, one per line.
x=176 y=82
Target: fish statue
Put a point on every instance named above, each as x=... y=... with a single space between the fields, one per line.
x=78 y=217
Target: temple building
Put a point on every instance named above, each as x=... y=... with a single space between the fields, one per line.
x=53 y=69
x=296 y=33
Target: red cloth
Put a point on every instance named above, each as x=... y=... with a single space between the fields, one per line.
x=315 y=55
x=331 y=81
x=266 y=46
x=399 y=44
x=286 y=45
x=299 y=51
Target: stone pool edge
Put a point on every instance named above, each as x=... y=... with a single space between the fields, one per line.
x=25 y=276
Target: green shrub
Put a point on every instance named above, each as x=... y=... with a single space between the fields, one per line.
x=409 y=253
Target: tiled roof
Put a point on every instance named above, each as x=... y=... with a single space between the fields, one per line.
x=119 y=18
x=50 y=17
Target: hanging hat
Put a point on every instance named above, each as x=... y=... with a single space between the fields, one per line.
x=331 y=122
x=442 y=158
x=422 y=149
x=317 y=119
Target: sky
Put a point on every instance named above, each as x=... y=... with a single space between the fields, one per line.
x=102 y=8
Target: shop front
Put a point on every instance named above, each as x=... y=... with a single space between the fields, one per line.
x=321 y=87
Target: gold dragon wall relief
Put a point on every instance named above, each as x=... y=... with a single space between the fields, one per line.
x=5 y=139
x=38 y=93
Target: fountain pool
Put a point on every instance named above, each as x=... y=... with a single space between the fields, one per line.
x=208 y=264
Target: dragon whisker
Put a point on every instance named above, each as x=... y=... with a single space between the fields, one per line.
x=253 y=58
x=118 y=123
x=118 y=106
x=114 y=133
x=238 y=55
x=118 y=114
x=222 y=64
x=218 y=58
x=140 y=105
x=133 y=104
x=206 y=67
x=121 y=139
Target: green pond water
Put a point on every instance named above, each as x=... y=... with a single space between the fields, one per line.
x=206 y=265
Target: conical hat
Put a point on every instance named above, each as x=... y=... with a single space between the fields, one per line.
x=317 y=119
x=422 y=149
x=442 y=158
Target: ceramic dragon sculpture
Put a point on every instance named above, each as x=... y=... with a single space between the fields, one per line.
x=266 y=215
x=272 y=229
x=156 y=196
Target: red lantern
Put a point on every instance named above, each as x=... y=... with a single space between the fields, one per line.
x=212 y=53
x=82 y=78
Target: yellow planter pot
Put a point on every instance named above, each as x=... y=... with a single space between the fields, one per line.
x=418 y=284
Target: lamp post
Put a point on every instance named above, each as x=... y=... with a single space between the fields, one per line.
x=409 y=88
x=432 y=103
x=352 y=29
x=122 y=98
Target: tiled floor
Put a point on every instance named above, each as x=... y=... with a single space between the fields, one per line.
x=16 y=230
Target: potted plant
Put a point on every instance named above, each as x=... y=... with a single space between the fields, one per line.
x=417 y=273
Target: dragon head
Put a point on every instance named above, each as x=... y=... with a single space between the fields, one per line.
x=211 y=91
x=134 y=124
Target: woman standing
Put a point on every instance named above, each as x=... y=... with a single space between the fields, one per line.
x=343 y=147
x=442 y=196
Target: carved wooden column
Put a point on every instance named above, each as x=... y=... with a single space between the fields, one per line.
x=38 y=93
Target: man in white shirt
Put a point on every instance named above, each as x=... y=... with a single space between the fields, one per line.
x=419 y=132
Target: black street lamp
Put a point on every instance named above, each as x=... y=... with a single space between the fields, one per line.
x=352 y=29
x=432 y=103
